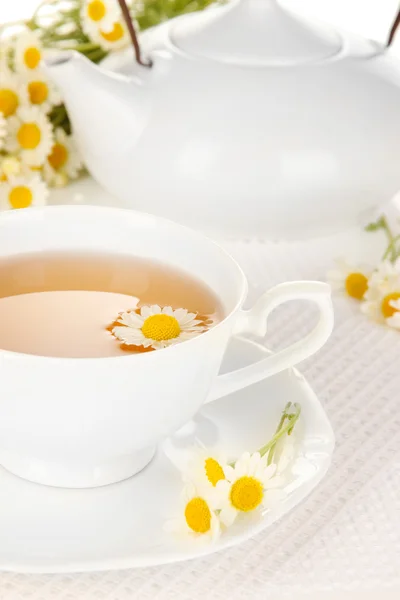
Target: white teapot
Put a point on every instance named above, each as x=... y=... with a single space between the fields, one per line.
x=250 y=122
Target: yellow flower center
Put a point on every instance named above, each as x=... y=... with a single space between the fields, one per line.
x=20 y=197
x=58 y=156
x=356 y=285
x=32 y=57
x=386 y=308
x=115 y=34
x=8 y=102
x=3 y=177
x=38 y=92
x=246 y=493
x=96 y=10
x=214 y=471
x=198 y=515
x=161 y=327
x=29 y=136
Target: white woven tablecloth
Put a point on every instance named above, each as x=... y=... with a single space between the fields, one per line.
x=346 y=535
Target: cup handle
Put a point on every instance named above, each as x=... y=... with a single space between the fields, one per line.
x=254 y=321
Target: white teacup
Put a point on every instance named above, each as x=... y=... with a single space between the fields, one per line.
x=87 y=422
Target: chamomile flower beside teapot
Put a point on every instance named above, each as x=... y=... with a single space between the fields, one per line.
x=244 y=119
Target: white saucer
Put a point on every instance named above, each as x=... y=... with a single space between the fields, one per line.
x=47 y=530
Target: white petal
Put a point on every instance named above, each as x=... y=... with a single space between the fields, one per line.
x=131 y=319
x=155 y=309
x=228 y=515
x=180 y=313
x=229 y=473
x=215 y=527
x=167 y=310
x=129 y=336
x=394 y=321
x=146 y=311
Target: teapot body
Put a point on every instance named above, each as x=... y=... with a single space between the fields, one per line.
x=280 y=152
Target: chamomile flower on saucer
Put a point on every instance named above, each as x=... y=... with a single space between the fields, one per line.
x=99 y=14
x=13 y=93
x=248 y=485
x=204 y=468
x=41 y=92
x=198 y=518
x=157 y=327
x=30 y=135
x=114 y=39
x=64 y=161
x=350 y=279
x=28 y=52
x=23 y=192
x=382 y=298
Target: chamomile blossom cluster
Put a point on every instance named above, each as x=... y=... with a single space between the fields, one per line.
x=217 y=493
x=377 y=289
x=34 y=152
x=37 y=150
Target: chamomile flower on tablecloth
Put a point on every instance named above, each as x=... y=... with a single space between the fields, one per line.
x=23 y=192
x=350 y=279
x=157 y=327
x=28 y=51
x=114 y=39
x=13 y=93
x=41 y=92
x=198 y=519
x=30 y=135
x=381 y=302
x=63 y=161
x=99 y=14
x=248 y=485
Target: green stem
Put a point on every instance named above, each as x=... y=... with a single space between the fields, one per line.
x=280 y=425
x=287 y=428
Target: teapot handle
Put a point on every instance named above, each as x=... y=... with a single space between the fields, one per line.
x=133 y=36
x=393 y=30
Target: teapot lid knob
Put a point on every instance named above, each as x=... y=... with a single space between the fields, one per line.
x=254 y=33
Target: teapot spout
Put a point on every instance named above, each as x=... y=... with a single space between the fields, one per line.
x=107 y=110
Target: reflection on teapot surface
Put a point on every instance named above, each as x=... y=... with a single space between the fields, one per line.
x=251 y=121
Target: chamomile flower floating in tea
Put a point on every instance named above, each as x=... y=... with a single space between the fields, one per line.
x=198 y=519
x=96 y=14
x=22 y=192
x=41 y=91
x=64 y=158
x=28 y=52
x=13 y=93
x=157 y=327
x=351 y=279
x=30 y=135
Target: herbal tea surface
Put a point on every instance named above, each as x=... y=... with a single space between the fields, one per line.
x=71 y=305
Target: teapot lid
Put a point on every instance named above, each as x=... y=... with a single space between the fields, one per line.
x=253 y=33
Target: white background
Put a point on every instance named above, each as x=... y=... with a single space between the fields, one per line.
x=371 y=18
